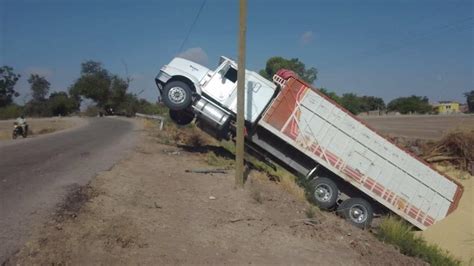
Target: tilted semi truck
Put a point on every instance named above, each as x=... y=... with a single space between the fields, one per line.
x=349 y=167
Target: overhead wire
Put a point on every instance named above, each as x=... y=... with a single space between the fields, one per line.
x=192 y=26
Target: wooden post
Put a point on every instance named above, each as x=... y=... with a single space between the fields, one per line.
x=239 y=149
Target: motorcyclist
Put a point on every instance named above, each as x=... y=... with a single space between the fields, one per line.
x=21 y=121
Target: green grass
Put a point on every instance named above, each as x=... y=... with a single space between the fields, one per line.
x=215 y=160
x=10 y=111
x=398 y=233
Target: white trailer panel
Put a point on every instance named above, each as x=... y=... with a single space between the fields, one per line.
x=326 y=132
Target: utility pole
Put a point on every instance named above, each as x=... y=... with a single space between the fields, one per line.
x=239 y=149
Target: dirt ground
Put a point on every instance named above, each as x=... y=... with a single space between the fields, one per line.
x=148 y=210
x=421 y=126
x=39 y=126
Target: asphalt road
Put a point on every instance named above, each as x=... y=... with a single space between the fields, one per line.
x=37 y=173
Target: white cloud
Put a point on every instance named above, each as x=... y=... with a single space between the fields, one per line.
x=307 y=37
x=42 y=71
x=196 y=54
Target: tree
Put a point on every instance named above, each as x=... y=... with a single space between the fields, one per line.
x=118 y=92
x=93 y=84
x=356 y=104
x=39 y=87
x=332 y=95
x=61 y=104
x=371 y=103
x=8 y=80
x=108 y=91
x=352 y=102
x=277 y=62
x=412 y=104
x=470 y=100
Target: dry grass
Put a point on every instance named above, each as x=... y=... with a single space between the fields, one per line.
x=288 y=183
x=195 y=138
x=256 y=194
x=456 y=147
x=215 y=160
x=397 y=232
x=311 y=212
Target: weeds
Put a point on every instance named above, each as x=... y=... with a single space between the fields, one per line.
x=195 y=139
x=214 y=160
x=256 y=194
x=398 y=233
x=311 y=212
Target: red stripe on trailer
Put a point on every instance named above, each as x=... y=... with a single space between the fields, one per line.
x=413 y=212
x=369 y=183
x=428 y=221
x=378 y=189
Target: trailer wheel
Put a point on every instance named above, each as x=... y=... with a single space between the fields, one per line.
x=356 y=211
x=177 y=95
x=181 y=118
x=324 y=192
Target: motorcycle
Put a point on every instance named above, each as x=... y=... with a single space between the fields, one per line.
x=19 y=130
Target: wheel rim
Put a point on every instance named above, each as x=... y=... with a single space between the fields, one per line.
x=322 y=193
x=358 y=213
x=177 y=95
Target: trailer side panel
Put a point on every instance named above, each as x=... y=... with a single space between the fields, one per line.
x=326 y=132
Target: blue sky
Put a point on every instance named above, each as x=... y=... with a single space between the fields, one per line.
x=383 y=48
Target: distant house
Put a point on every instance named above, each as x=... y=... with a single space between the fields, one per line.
x=463 y=108
x=446 y=107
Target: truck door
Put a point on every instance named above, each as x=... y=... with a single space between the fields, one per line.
x=222 y=84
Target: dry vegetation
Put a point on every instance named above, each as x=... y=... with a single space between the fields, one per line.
x=455 y=148
x=391 y=230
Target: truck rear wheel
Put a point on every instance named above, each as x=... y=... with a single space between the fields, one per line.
x=181 y=118
x=177 y=95
x=324 y=192
x=357 y=211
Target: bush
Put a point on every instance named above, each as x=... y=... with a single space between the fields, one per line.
x=11 y=111
x=398 y=233
x=92 y=111
x=37 y=109
x=152 y=108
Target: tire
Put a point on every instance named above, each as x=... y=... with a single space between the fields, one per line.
x=177 y=95
x=181 y=118
x=356 y=211
x=324 y=192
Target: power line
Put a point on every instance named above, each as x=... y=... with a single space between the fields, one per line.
x=192 y=25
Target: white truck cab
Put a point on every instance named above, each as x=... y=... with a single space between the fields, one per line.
x=192 y=90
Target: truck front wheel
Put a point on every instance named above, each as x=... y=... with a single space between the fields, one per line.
x=324 y=192
x=177 y=95
x=357 y=211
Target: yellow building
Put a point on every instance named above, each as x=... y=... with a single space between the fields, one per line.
x=446 y=107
